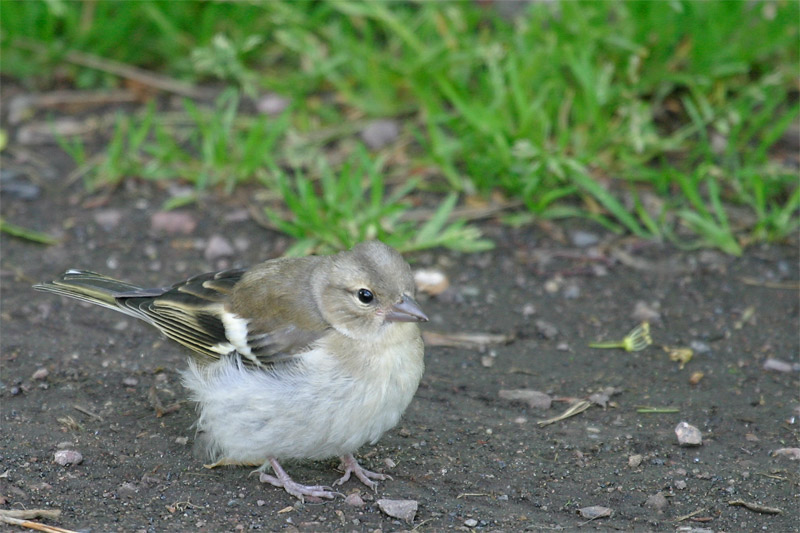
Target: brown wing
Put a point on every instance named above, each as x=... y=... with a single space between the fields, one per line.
x=188 y=312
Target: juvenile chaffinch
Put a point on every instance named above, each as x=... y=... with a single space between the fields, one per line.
x=295 y=358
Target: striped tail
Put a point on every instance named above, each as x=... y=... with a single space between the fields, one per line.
x=90 y=287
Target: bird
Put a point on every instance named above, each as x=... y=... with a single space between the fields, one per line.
x=297 y=358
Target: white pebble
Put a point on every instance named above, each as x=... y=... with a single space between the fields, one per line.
x=217 y=247
x=402 y=509
x=431 y=281
x=68 y=457
x=688 y=435
x=777 y=365
x=354 y=499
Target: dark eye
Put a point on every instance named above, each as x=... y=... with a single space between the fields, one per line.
x=365 y=296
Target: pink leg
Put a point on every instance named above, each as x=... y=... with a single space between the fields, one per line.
x=282 y=479
x=351 y=466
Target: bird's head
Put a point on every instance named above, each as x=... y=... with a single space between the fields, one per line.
x=366 y=290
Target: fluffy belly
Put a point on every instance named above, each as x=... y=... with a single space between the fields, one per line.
x=247 y=415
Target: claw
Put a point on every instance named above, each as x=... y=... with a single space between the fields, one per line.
x=351 y=466
x=313 y=493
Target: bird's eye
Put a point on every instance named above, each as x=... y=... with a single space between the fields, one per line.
x=365 y=296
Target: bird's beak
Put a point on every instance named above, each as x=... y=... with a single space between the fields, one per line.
x=406 y=310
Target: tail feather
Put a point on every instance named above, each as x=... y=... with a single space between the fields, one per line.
x=91 y=287
x=190 y=312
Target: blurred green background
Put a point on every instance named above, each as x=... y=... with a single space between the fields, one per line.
x=672 y=120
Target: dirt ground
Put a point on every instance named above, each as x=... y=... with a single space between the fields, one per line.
x=81 y=378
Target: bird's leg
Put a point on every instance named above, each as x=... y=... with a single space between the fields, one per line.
x=351 y=466
x=282 y=479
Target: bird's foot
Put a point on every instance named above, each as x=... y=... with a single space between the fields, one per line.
x=313 y=493
x=351 y=466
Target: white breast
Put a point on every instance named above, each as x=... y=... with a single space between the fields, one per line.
x=313 y=409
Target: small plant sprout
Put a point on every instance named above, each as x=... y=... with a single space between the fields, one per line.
x=636 y=340
x=680 y=355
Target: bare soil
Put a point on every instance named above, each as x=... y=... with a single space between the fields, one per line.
x=82 y=378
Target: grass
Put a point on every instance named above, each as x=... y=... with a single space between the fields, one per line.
x=582 y=109
x=351 y=206
x=205 y=147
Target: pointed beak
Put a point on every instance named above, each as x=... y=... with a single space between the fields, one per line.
x=406 y=310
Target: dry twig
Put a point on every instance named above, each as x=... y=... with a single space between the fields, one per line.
x=139 y=75
x=88 y=412
x=758 y=508
x=21 y=518
x=574 y=409
x=464 y=339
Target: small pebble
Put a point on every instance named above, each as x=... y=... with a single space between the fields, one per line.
x=602 y=397
x=173 y=222
x=696 y=377
x=242 y=244
x=657 y=501
x=380 y=133
x=128 y=490
x=595 y=511
x=688 y=435
x=777 y=365
x=431 y=281
x=402 y=509
x=534 y=398
x=644 y=312
x=700 y=347
x=40 y=374
x=680 y=484
x=354 y=500
x=792 y=454
x=272 y=104
x=551 y=286
x=108 y=219
x=546 y=329
x=68 y=457
x=17 y=185
x=470 y=522
x=217 y=247
x=572 y=292
x=181 y=440
x=582 y=239
x=130 y=381
x=635 y=460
